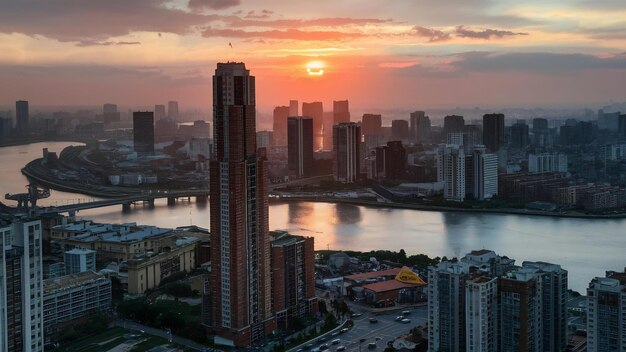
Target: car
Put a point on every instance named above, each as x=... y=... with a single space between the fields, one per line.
x=341 y=348
x=405 y=321
x=406 y=312
x=322 y=339
x=378 y=338
x=335 y=333
x=324 y=347
x=356 y=315
x=308 y=346
x=399 y=317
x=373 y=320
x=344 y=330
x=335 y=342
x=371 y=346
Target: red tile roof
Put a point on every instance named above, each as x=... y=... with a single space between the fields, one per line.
x=373 y=274
x=389 y=285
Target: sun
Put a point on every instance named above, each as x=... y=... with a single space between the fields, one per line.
x=315 y=68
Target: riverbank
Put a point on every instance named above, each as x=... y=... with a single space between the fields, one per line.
x=15 y=143
x=436 y=208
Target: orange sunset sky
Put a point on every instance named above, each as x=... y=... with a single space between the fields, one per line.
x=404 y=54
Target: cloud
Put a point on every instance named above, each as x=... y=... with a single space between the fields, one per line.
x=433 y=35
x=464 y=32
x=536 y=62
x=262 y=15
x=610 y=33
x=236 y=21
x=198 y=5
x=85 y=43
x=288 y=34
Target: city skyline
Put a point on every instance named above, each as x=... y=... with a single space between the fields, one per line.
x=416 y=53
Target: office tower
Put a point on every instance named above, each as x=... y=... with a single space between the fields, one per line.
x=79 y=260
x=622 y=125
x=316 y=111
x=264 y=139
x=554 y=301
x=519 y=136
x=400 y=129
x=6 y=128
x=293 y=108
x=451 y=171
x=481 y=314
x=493 y=131
x=110 y=113
x=328 y=130
x=520 y=321
x=293 y=277
x=159 y=112
x=541 y=133
x=446 y=306
x=279 y=119
x=341 y=112
x=547 y=162
x=143 y=132
x=21 y=287
x=453 y=123
x=346 y=151
x=300 y=145
x=172 y=111
x=391 y=161
x=540 y=124
x=485 y=178
x=608 y=120
x=371 y=124
x=606 y=313
x=420 y=127
x=22 y=117
x=240 y=265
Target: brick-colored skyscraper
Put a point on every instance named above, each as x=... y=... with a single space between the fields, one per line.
x=240 y=286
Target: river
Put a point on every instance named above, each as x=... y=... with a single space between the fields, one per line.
x=585 y=247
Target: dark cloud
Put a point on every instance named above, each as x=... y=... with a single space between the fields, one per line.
x=433 y=35
x=464 y=32
x=538 y=62
x=611 y=33
x=81 y=20
x=99 y=43
x=289 y=34
x=253 y=14
x=198 y=5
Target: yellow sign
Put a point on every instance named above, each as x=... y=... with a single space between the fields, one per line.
x=409 y=277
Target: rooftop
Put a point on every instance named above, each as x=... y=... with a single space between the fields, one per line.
x=283 y=238
x=388 y=285
x=69 y=281
x=373 y=274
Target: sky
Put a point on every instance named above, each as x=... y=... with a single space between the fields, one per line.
x=383 y=54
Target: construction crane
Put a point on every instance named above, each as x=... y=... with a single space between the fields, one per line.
x=29 y=199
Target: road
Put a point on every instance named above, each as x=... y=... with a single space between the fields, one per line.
x=126 y=324
x=386 y=329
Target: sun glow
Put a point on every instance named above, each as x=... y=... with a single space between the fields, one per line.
x=315 y=68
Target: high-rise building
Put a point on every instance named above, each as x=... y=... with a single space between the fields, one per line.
x=110 y=113
x=6 y=128
x=493 y=131
x=519 y=136
x=293 y=108
x=143 y=132
x=541 y=133
x=420 y=127
x=446 y=306
x=22 y=117
x=341 y=111
x=346 y=150
x=300 y=145
x=520 y=321
x=453 y=123
x=316 y=111
x=293 y=277
x=328 y=122
x=264 y=139
x=391 y=161
x=451 y=171
x=547 y=162
x=371 y=125
x=279 y=118
x=21 y=287
x=159 y=112
x=400 y=129
x=240 y=286
x=79 y=260
x=172 y=111
x=606 y=313
x=485 y=173
x=481 y=314
x=554 y=301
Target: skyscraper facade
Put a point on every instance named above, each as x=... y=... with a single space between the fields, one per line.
x=391 y=161
x=481 y=299
x=371 y=124
x=341 y=111
x=110 y=113
x=316 y=111
x=240 y=285
x=22 y=117
x=300 y=145
x=493 y=131
x=451 y=171
x=606 y=313
x=519 y=136
x=346 y=151
x=279 y=119
x=400 y=129
x=293 y=108
x=143 y=132
x=485 y=173
x=420 y=126
x=21 y=287
x=453 y=123
x=159 y=112
x=172 y=111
